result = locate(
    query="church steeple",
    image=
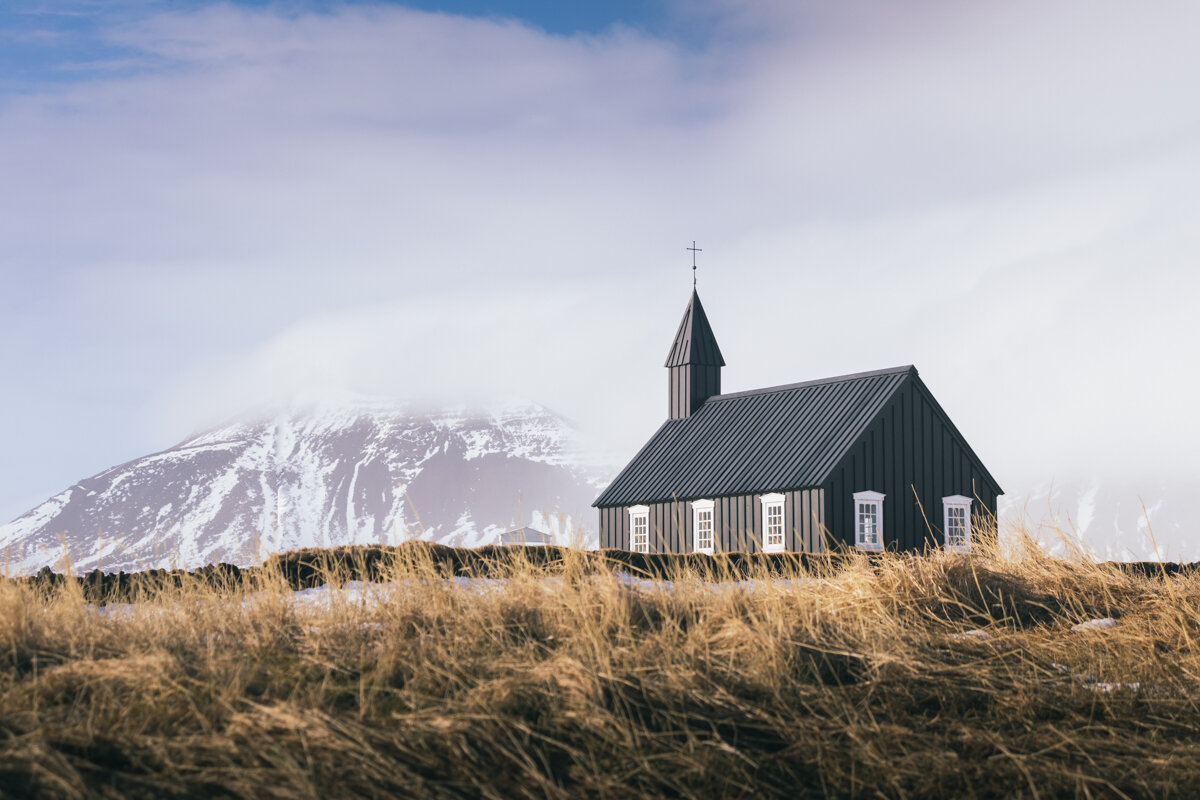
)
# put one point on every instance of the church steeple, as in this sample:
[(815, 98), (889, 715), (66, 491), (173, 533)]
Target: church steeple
[(694, 362)]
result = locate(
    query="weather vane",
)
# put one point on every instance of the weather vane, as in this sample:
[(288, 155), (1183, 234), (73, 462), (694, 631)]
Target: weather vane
[(694, 250)]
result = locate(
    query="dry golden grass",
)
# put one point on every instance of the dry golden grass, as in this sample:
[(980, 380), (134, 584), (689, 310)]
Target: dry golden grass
[(570, 683)]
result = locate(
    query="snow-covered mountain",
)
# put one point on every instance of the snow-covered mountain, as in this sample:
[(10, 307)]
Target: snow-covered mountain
[(1126, 519), (350, 473)]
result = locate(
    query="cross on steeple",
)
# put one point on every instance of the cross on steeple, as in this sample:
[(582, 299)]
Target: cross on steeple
[(694, 250)]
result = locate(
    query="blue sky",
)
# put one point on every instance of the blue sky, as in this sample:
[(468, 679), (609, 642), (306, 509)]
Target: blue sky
[(62, 41), (206, 208)]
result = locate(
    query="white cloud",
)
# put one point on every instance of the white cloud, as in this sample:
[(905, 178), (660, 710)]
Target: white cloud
[(386, 200)]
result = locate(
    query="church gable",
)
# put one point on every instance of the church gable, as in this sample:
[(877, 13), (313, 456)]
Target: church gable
[(914, 455)]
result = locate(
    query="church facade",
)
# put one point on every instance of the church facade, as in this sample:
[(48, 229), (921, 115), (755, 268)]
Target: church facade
[(868, 461)]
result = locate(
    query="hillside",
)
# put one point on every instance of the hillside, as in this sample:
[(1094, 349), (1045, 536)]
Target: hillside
[(988, 676), (362, 472)]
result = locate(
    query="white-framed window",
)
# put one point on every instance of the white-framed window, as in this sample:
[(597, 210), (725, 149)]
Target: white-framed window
[(639, 529), (702, 526), (772, 514), (868, 520), (957, 525)]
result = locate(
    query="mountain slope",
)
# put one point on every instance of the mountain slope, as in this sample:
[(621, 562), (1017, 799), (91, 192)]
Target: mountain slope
[(1126, 519), (352, 473)]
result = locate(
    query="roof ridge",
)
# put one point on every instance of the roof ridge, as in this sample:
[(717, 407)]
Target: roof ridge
[(802, 384)]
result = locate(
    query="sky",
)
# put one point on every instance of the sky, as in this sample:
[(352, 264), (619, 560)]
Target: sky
[(212, 207)]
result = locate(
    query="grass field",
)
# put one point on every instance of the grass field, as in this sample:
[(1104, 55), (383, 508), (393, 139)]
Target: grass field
[(939, 676)]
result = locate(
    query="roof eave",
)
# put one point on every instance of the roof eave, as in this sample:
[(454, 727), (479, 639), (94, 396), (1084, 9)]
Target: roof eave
[(721, 496)]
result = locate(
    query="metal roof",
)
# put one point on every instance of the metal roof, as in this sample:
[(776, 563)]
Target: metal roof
[(694, 341), (774, 439)]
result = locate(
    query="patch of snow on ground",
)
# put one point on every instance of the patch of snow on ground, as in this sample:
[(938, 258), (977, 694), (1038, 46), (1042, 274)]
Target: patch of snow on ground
[(642, 584), (976, 635), (1112, 687), (365, 593), (357, 592), (647, 585), (1095, 624)]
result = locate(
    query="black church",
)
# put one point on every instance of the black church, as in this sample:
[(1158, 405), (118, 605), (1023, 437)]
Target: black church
[(868, 460)]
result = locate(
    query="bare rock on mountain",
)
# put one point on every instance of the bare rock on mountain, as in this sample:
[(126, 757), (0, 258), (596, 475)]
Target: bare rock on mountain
[(366, 472)]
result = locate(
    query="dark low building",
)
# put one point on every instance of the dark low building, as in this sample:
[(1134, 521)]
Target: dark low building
[(868, 460)]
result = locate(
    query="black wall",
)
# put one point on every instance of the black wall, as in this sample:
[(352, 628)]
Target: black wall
[(689, 386), (912, 454), (737, 523)]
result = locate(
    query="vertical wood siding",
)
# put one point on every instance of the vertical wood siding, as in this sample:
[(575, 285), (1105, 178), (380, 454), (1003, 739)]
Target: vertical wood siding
[(911, 455), (737, 524), (688, 386)]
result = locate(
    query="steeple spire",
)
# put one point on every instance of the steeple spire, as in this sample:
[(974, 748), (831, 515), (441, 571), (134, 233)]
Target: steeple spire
[(694, 362), (694, 341)]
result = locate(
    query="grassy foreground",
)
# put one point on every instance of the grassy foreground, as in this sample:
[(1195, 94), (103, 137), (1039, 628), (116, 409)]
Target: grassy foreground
[(564, 681)]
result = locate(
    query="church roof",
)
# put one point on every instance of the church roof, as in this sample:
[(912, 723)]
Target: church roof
[(694, 342), (774, 439)]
